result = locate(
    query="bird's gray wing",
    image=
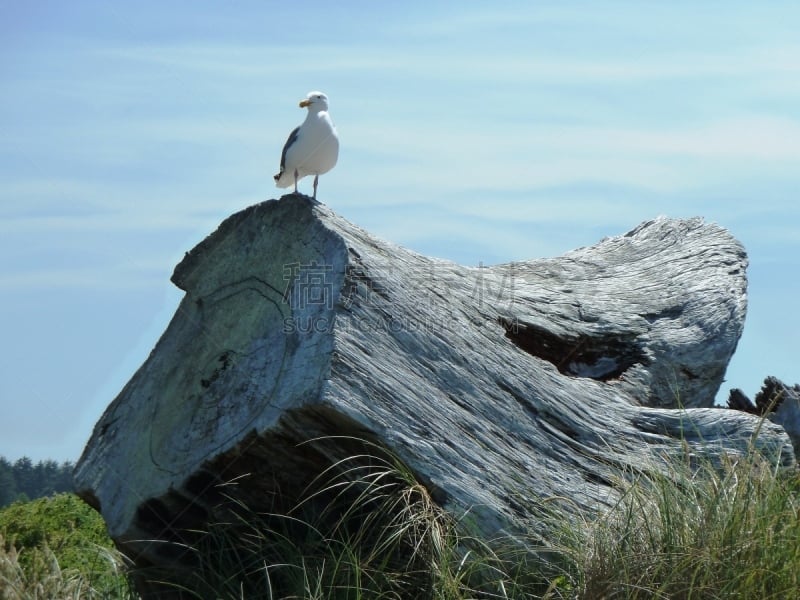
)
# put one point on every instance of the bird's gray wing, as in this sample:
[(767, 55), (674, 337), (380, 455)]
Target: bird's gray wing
[(289, 142)]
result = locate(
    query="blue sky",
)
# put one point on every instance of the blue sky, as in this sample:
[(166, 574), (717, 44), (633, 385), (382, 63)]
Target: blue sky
[(476, 132)]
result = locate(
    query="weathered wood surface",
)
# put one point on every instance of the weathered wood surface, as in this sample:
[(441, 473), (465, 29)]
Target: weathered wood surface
[(494, 385)]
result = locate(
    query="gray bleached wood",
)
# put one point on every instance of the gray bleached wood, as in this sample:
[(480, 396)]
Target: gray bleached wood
[(494, 385)]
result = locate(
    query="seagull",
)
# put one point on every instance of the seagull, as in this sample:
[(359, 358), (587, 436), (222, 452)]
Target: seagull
[(312, 148)]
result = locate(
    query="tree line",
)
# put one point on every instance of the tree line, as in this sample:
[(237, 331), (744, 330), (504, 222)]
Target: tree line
[(26, 480)]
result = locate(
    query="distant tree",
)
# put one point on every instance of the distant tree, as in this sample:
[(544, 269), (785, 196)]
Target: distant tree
[(24, 480), (64, 481), (45, 477), (25, 476), (8, 484)]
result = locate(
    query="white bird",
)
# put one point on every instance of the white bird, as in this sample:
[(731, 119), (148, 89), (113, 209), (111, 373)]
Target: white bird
[(312, 148)]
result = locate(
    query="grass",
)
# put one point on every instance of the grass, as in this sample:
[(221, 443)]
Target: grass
[(36, 574), (707, 532), (365, 528), (57, 547)]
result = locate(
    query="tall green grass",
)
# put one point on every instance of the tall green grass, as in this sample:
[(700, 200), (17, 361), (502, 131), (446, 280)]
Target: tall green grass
[(37, 574), (365, 528), (707, 531)]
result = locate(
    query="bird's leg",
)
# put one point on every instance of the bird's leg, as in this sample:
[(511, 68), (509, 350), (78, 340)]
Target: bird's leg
[(316, 179), (295, 181)]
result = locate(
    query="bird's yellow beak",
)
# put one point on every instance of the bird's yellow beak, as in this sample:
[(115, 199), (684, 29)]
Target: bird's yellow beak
[(304, 103)]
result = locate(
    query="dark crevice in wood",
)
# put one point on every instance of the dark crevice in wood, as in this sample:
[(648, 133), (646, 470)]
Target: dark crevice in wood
[(603, 357)]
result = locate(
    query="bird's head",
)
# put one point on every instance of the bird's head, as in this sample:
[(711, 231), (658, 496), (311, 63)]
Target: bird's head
[(316, 101)]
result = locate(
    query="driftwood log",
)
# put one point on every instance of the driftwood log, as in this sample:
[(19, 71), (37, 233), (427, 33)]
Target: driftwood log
[(777, 401), (494, 385)]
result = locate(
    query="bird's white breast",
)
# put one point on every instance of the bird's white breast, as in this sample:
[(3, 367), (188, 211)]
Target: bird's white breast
[(316, 149)]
